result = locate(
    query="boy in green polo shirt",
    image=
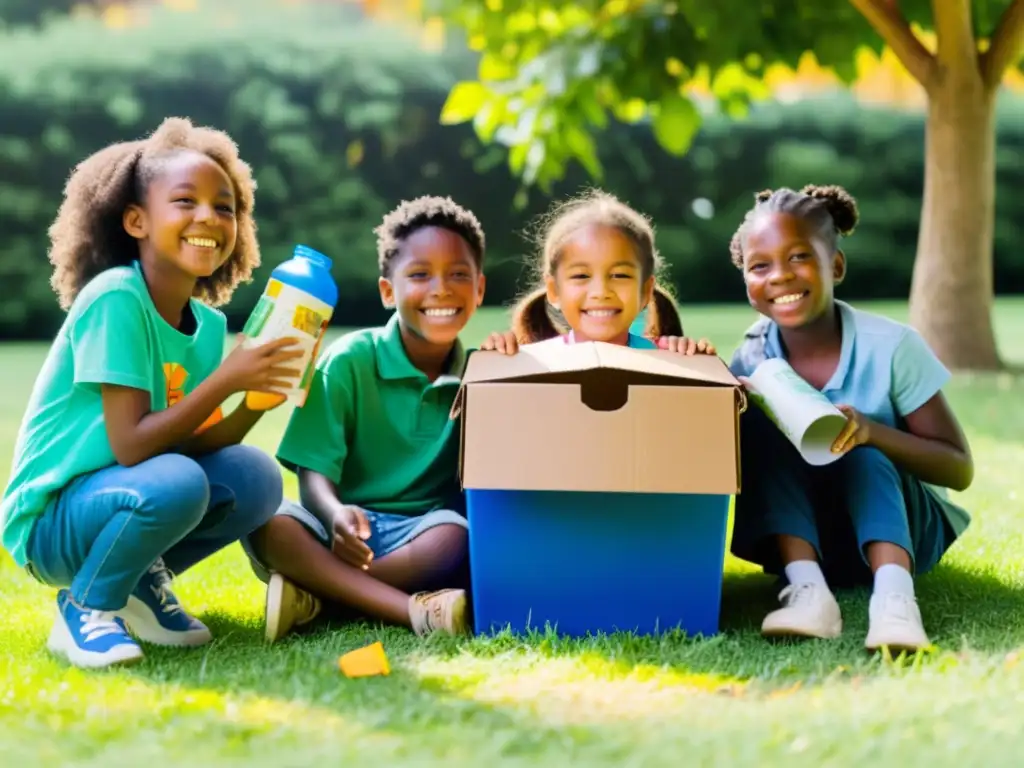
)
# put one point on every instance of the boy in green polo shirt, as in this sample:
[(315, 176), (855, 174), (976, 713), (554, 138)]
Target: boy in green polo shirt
[(379, 524)]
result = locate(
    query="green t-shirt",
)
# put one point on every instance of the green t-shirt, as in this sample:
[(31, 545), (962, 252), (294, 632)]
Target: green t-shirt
[(112, 335), (376, 426)]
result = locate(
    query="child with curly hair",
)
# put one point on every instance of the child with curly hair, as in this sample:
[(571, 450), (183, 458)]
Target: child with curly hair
[(880, 513), (598, 282), (380, 527), (124, 469)]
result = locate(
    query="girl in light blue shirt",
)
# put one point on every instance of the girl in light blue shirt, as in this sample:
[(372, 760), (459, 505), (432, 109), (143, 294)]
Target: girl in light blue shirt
[(879, 514)]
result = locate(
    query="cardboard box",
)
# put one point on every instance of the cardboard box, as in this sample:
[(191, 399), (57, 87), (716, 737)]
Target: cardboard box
[(598, 481)]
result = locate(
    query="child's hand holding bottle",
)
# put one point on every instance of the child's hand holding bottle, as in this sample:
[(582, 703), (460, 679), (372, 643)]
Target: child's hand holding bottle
[(260, 369)]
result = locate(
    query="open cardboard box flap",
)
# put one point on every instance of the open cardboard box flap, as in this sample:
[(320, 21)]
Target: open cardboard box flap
[(555, 363), (599, 417)]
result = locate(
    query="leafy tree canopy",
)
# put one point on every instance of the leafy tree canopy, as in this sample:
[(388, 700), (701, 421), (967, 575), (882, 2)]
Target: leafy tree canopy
[(551, 74)]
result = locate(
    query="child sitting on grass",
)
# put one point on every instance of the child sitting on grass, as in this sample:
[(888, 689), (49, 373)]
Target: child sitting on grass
[(598, 267), (124, 470), (877, 515), (380, 521)]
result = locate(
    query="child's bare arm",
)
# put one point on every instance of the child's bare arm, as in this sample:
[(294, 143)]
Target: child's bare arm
[(935, 449), (231, 430), (138, 433), (348, 524)]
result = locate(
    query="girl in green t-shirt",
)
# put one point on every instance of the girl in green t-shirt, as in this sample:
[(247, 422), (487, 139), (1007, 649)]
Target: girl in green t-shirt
[(124, 469)]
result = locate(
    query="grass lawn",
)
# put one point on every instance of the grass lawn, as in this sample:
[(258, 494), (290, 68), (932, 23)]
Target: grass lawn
[(618, 700)]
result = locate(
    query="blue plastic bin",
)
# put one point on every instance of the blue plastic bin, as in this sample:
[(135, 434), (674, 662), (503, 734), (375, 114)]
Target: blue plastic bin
[(596, 562), (598, 480)]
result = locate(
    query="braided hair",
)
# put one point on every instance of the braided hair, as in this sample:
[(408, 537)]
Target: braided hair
[(831, 210)]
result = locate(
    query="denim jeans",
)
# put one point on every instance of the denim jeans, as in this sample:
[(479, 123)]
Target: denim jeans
[(105, 529), (388, 531), (838, 508)]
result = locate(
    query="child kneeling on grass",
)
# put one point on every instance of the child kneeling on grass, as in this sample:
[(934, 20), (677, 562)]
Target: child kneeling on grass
[(880, 513), (124, 470), (380, 521)]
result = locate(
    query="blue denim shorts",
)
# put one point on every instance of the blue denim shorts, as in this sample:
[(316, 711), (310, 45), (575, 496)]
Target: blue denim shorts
[(388, 531)]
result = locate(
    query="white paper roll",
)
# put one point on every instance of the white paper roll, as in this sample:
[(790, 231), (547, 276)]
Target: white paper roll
[(805, 416)]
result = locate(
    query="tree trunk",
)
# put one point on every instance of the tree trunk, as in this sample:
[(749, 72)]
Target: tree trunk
[(952, 289)]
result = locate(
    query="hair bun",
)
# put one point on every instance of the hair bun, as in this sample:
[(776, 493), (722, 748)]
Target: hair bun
[(764, 195), (840, 203)]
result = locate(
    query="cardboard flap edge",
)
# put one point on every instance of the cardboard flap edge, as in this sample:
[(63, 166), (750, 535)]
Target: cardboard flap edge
[(707, 369), (539, 360)]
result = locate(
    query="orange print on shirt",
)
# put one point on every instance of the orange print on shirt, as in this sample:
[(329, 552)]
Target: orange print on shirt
[(175, 376)]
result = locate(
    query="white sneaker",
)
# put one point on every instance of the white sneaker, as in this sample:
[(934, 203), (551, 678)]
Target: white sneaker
[(90, 638), (287, 607), (808, 610), (894, 620)]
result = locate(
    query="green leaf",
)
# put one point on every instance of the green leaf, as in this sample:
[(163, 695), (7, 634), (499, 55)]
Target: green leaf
[(675, 123), (463, 103), (517, 157), (583, 147), (521, 199), (493, 68), (535, 154), (631, 110), (587, 101), (491, 116)]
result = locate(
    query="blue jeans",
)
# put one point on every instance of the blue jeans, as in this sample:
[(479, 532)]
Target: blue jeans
[(838, 509), (106, 528)]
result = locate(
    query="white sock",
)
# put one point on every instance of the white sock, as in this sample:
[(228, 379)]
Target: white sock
[(893, 579), (805, 572)]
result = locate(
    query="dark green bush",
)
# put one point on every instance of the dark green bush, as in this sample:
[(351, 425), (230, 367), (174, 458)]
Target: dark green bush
[(338, 116)]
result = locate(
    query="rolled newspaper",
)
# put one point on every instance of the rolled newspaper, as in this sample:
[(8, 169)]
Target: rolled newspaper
[(803, 414)]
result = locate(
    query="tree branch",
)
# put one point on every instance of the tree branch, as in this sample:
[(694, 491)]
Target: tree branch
[(887, 21), (956, 44), (1006, 46)]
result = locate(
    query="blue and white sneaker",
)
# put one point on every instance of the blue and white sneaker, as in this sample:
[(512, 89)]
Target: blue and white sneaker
[(154, 615), (89, 638)]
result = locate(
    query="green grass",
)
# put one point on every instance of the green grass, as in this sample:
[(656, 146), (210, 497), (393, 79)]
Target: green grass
[(619, 700)]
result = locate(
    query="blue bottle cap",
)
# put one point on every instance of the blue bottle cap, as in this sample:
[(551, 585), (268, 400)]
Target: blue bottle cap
[(305, 252)]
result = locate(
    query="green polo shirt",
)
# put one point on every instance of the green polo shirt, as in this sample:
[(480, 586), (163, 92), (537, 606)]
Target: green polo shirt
[(376, 426)]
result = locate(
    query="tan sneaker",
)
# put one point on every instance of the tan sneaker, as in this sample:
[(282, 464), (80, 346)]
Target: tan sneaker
[(287, 607), (808, 610), (894, 620), (441, 611)]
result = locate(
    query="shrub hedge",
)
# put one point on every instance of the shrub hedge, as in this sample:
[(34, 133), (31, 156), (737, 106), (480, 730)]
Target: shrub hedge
[(338, 116)]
